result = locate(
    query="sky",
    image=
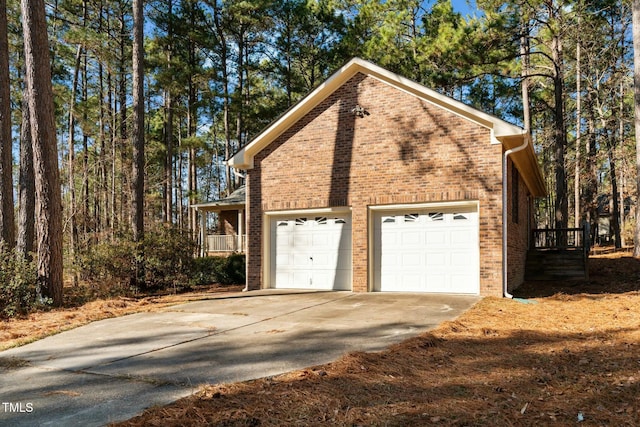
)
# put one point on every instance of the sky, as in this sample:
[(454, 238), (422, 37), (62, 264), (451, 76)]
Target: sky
[(465, 7)]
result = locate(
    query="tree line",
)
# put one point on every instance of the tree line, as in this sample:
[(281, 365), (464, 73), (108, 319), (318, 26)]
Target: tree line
[(146, 100)]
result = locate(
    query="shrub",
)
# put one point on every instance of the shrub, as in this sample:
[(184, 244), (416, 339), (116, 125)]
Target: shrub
[(18, 290), (168, 257), (219, 269), (168, 260), (108, 263)]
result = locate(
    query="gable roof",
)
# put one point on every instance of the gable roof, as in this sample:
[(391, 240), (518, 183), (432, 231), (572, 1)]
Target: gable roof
[(507, 134)]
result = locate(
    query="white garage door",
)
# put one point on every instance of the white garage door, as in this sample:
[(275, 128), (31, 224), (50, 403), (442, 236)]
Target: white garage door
[(428, 250), (311, 252)]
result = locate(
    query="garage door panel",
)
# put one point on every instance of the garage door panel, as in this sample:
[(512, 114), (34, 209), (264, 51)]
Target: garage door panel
[(284, 260), (311, 252), (436, 260), (343, 260), (300, 260), (410, 238), (302, 240), (427, 250), (461, 237), (435, 237), (462, 259), (412, 259)]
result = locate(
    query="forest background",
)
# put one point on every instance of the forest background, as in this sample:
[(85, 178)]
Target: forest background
[(139, 140)]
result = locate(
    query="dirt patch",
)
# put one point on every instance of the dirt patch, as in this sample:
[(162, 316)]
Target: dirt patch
[(568, 354)]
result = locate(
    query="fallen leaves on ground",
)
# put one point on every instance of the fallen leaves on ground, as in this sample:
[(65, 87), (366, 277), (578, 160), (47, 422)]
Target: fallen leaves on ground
[(563, 354)]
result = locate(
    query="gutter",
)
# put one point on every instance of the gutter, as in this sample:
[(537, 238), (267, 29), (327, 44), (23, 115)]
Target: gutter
[(507, 153)]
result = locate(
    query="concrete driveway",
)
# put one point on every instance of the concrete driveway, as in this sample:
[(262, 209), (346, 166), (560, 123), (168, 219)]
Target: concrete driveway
[(113, 369)]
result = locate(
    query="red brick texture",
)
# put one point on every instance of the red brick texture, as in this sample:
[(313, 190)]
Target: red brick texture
[(405, 151), (518, 232)]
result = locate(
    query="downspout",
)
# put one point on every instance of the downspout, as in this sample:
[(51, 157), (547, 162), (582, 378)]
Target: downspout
[(505, 217)]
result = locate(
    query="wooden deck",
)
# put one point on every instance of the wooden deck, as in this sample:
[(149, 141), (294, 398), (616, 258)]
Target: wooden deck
[(558, 254)]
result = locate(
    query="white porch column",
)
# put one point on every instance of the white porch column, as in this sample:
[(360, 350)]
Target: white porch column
[(240, 229), (203, 233)]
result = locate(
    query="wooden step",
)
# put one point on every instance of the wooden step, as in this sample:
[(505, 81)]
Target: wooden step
[(556, 265)]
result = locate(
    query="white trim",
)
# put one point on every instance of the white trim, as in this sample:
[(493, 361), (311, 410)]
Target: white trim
[(426, 205), (341, 209)]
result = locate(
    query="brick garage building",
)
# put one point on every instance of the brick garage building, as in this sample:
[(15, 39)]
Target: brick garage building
[(376, 183)]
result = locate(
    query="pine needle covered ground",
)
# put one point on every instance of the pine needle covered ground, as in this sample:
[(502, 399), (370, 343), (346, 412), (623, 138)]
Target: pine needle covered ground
[(570, 355)]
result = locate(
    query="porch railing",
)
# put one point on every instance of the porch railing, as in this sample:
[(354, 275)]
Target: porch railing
[(225, 243), (561, 238)]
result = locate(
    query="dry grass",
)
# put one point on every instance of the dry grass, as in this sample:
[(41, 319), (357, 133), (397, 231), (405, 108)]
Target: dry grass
[(571, 357), (16, 332)]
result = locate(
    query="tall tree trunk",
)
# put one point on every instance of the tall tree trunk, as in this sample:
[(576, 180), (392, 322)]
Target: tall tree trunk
[(39, 93), (122, 101), (168, 125), (621, 121), (104, 177), (168, 161), (192, 176), (240, 91), (86, 211), (179, 180), (7, 220), (636, 99), (560, 137), (73, 224), (615, 214), (524, 53), (577, 170), (137, 175), (590, 193), (26, 188), (228, 149), (113, 147)]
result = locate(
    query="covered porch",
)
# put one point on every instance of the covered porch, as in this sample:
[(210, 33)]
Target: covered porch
[(222, 225)]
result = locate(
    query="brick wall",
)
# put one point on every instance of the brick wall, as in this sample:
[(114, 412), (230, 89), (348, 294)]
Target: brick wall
[(406, 151), (517, 232)]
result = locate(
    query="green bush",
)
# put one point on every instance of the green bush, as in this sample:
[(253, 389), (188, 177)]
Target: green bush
[(168, 260), (224, 270), (18, 290), (168, 257), (109, 263)]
